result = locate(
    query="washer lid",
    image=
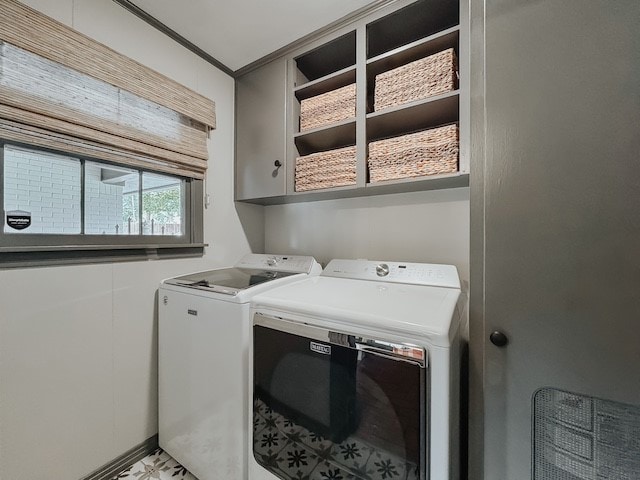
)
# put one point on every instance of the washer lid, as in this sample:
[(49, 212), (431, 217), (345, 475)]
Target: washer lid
[(251, 270), (417, 311), (229, 281)]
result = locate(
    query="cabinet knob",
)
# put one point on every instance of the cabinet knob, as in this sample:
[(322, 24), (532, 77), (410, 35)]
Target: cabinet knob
[(499, 339), (277, 163)]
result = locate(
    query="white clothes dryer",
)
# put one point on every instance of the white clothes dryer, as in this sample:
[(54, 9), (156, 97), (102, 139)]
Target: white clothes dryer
[(204, 329), (355, 374)]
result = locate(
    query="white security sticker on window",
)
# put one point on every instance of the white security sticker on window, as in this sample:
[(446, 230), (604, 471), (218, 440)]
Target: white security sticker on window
[(18, 219)]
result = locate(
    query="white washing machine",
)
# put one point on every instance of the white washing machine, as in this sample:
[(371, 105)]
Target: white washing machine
[(355, 374), (204, 330)]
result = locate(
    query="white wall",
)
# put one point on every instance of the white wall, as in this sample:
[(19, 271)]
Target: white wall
[(78, 376), (413, 227)]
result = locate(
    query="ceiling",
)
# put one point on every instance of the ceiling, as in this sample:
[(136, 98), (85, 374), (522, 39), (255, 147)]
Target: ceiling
[(239, 32)]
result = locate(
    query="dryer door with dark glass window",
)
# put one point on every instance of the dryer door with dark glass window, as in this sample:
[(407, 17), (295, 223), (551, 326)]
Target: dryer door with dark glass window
[(332, 405)]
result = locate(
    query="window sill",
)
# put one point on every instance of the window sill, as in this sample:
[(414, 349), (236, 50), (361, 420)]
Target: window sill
[(58, 255)]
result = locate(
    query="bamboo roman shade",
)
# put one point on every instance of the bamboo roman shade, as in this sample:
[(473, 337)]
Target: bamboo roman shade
[(62, 90)]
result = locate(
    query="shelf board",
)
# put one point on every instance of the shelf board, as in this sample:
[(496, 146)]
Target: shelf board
[(327, 83), (424, 47), (418, 20), (434, 182), (339, 134), (409, 117), (339, 192)]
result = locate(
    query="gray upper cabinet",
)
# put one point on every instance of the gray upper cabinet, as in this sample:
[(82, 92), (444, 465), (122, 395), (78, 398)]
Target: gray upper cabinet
[(270, 103), (260, 132)]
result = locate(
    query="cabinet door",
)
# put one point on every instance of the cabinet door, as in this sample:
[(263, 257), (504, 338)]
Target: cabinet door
[(260, 132), (557, 249)]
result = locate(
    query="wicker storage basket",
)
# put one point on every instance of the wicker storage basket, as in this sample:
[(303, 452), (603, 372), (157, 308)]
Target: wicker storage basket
[(327, 108), (428, 152), (416, 80), (333, 168)]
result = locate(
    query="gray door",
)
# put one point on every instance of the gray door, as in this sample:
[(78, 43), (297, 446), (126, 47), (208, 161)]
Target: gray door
[(556, 240)]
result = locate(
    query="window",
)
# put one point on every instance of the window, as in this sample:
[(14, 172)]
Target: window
[(101, 158), (52, 201), (162, 205), (42, 192), (110, 200)]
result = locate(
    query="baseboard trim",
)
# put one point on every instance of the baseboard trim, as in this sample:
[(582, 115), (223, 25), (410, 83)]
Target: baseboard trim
[(117, 465)]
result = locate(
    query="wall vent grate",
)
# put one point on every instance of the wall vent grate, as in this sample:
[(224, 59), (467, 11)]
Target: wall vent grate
[(578, 437)]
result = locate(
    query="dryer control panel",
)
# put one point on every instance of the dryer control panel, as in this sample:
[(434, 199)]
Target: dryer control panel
[(395, 272)]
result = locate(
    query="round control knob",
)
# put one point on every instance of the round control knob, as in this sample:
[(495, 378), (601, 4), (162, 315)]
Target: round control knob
[(272, 262), (499, 339), (277, 163), (382, 270)]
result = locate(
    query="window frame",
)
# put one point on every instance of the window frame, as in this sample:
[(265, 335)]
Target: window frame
[(40, 249)]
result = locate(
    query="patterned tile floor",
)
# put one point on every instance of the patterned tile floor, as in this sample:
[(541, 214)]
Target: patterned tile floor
[(156, 466), (295, 453)]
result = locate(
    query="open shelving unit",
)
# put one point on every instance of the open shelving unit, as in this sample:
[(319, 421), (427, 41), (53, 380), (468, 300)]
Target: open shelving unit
[(321, 70), (315, 75), (409, 34), (396, 34), (376, 45)]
